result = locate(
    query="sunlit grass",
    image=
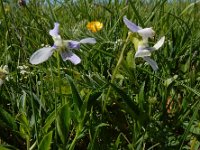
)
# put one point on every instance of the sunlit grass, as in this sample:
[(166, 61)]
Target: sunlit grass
[(110, 100)]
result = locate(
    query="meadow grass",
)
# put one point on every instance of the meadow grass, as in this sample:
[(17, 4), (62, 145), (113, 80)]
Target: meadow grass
[(110, 100)]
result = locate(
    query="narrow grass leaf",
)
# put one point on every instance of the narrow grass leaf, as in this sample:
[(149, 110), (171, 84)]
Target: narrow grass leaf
[(130, 104), (49, 120), (91, 145), (63, 122), (75, 94), (4, 148), (189, 6), (141, 97), (45, 144), (24, 125), (7, 118)]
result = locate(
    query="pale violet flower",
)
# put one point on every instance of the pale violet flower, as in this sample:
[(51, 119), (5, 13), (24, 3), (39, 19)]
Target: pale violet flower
[(64, 47), (144, 51), (144, 33)]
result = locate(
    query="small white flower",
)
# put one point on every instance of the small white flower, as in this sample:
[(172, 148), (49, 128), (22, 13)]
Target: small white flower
[(62, 46), (118, 41), (23, 72), (20, 67), (25, 67)]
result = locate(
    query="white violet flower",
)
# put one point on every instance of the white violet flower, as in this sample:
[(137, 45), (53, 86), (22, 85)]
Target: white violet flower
[(144, 51), (142, 46)]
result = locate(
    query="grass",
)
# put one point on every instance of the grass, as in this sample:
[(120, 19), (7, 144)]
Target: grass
[(111, 100)]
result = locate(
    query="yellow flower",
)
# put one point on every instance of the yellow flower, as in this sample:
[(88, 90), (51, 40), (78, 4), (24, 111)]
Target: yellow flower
[(94, 26)]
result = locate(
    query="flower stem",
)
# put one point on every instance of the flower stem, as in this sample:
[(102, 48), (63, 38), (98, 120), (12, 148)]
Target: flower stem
[(34, 117), (120, 60), (28, 143), (78, 131), (56, 100), (116, 69), (6, 22)]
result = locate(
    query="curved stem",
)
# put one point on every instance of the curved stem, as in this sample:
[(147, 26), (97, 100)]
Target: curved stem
[(79, 129), (56, 100), (34, 116), (73, 142), (116, 69)]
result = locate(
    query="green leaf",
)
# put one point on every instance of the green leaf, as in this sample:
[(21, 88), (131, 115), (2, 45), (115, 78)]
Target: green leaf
[(24, 125), (168, 81), (137, 14), (40, 102), (130, 59), (118, 141), (189, 6), (23, 119), (84, 106), (131, 105), (63, 122), (7, 118), (186, 66), (22, 102), (75, 94), (4, 148), (91, 144), (141, 96), (49, 121), (194, 144), (45, 144)]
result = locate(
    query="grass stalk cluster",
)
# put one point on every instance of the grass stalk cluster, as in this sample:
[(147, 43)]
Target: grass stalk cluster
[(110, 100)]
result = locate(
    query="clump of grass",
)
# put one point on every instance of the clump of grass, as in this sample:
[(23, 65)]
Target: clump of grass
[(57, 105)]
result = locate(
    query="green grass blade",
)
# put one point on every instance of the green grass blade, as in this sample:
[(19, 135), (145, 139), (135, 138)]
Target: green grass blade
[(45, 144), (75, 94)]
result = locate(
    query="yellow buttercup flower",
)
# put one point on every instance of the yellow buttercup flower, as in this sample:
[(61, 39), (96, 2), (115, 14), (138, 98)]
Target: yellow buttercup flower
[(94, 26)]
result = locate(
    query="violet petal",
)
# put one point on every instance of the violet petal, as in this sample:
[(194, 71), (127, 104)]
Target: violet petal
[(151, 62), (131, 25), (69, 55), (88, 40), (41, 55), (73, 44), (55, 31)]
